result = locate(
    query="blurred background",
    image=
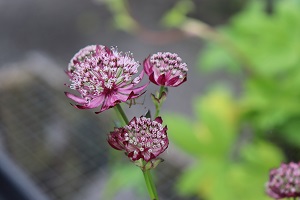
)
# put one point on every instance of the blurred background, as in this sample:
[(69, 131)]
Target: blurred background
[(235, 118)]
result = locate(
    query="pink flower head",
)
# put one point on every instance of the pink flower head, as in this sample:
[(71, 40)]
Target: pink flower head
[(284, 182), (103, 77), (165, 69), (141, 138)]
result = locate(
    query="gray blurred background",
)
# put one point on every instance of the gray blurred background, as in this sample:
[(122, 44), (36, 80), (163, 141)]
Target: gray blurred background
[(48, 149)]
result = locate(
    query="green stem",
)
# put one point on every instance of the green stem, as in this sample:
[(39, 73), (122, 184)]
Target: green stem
[(120, 110), (161, 89), (150, 185), (147, 175)]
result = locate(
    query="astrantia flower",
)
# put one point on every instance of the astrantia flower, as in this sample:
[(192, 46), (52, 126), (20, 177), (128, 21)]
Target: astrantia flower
[(166, 69), (104, 77), (284, 182), (141, 138)]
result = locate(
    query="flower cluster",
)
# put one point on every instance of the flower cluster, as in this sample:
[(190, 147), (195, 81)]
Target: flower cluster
[(142, 138), (284, 181), (103, 77), (166, 69)]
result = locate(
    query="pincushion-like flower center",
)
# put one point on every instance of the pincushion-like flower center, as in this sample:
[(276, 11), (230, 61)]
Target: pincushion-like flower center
[(285, 181), (95, 70), (167, 61), (145, 135)]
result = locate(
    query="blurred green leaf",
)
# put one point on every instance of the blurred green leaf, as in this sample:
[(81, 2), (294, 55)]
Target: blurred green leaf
[(266, 48), (201, 178), (291, 132), (121, 17), (262, 155), (218, 114), (181, 132), (176, 15), (269, 43), (124, 176), (215, 58), (213, 134)]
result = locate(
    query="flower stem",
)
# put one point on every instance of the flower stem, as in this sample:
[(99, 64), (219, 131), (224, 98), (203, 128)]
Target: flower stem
[(150, 185), (147, 175), (122, 113), (161, 89)]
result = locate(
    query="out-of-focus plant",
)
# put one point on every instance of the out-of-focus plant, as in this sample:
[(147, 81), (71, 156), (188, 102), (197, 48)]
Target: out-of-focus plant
[(270, 45), (263, 49), (228, 165)]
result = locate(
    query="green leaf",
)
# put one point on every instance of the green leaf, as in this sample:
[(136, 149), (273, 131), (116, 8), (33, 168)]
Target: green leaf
[(181, 132), (124, 176), (121, 17), (201, 178), (215, 57), (176, 15), (262, 155), (290, 132), (218, 114)]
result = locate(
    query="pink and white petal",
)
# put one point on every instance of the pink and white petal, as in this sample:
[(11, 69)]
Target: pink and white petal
[(75, 98), (147, 66), (104, 107), (94, 103), (114, 99), (122, 97), (113, 141), (140, 89), (141, 76), (172, 81), (128, 90), (180, 82), (152, 79), (82, 107)]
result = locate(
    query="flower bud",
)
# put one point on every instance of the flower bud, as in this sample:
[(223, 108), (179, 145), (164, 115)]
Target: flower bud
[(166, 69)]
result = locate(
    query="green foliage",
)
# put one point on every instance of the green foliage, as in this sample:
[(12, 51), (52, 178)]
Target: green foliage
[(215, 58), (267, 48), (230, 138), (205, 138), (177, 15), (123, 176), (121, 17), (270, 42), (227, 167)]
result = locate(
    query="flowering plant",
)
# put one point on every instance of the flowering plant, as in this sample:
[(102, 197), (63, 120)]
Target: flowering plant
[(284, 181), (105, 78)]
